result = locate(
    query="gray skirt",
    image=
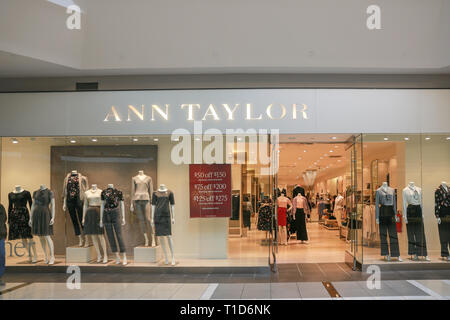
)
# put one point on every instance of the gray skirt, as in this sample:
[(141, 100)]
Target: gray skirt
[(41, 222), (163, 225), (92, 221)]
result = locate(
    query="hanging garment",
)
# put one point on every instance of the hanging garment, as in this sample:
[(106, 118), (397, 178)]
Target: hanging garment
[(19, 216), (235, 204), (300, 224), (298, 189)]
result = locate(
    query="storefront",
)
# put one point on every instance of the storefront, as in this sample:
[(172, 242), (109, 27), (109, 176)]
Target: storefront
[(242, 147)]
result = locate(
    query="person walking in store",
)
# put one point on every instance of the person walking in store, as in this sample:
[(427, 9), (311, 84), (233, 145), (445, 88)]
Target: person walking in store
[(2, 242)]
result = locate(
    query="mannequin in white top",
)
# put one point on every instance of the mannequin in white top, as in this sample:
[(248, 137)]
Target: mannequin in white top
[(122, 211), (142, 197), (28, 244), (96, 238), (163, 188), (46, 240), (412, 195)]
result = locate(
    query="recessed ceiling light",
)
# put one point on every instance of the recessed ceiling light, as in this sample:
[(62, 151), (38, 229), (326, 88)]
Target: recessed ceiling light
[(427, 138), (331, 151), (73, 141), (336, 147), (135, 139), (299, 158), (339, 160), (15, 141), (334, 138), (386, 139), (406, 138), (448, 138), (94, 140), (156, 139), (304, 150), (176, 139), (239, 139)]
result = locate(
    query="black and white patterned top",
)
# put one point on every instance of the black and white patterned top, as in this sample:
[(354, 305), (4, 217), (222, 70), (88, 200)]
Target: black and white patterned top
[(441, 200), (73, 187), (112, 197)]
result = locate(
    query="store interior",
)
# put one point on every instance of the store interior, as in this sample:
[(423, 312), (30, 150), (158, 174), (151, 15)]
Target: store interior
[(323, 165)]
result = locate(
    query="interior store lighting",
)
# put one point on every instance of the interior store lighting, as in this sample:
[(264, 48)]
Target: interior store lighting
[(15, 141)]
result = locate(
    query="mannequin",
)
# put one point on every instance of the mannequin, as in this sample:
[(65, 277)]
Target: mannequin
[(141, 191), (300, 208), (111, 208), (91, 209), (413, 216), (283, 202), (442, 213), (385, 212), (163, 214), (339, 208), (298, 189), (18, 220), (42, 220), (75, 186)]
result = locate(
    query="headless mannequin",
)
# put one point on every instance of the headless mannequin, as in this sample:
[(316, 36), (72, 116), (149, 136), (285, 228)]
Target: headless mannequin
[(385, 187), (96, 238), (142, 175), (282, 229), (80, 237), (412, 186), (29, 244), (445, 186), (46, 240), (163, 188), (122, 210)]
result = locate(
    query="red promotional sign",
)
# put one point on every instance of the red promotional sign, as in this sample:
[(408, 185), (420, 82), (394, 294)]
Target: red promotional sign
[(210, 190)]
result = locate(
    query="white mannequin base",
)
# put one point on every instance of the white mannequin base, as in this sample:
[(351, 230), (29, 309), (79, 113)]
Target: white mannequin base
[(80, 254), (147, 254)]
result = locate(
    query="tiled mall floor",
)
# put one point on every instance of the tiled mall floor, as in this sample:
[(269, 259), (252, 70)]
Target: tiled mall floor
[(390, 289)]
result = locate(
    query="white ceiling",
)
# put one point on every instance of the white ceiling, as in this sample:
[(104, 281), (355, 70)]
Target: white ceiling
[(203, 37)]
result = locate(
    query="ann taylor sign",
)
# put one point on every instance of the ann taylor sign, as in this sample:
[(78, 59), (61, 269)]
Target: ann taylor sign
[(162, 111), (198, 112)]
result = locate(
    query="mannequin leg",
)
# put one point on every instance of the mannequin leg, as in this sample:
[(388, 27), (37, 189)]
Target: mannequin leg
[(171, 249), (146, 240), (163, 245), (117, 258), (125, 261), (103, 244), (94, 238), (51, 249), (44, 248), (26, 246), (32, 250)]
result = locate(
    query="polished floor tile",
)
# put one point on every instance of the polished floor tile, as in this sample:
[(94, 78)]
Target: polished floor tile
[(229, 291), (312, 290), (256, 291), (287, 290), (190, 291)]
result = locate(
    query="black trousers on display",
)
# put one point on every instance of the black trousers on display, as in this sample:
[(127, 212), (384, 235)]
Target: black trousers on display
[(415, 230), (388, 228), (111, 220), (75, 208), (444, 230), (300, 224), (246, 214)]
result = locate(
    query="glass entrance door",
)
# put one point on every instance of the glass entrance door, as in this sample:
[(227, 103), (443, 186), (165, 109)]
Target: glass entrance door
[(273, 171), (354, 203)]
